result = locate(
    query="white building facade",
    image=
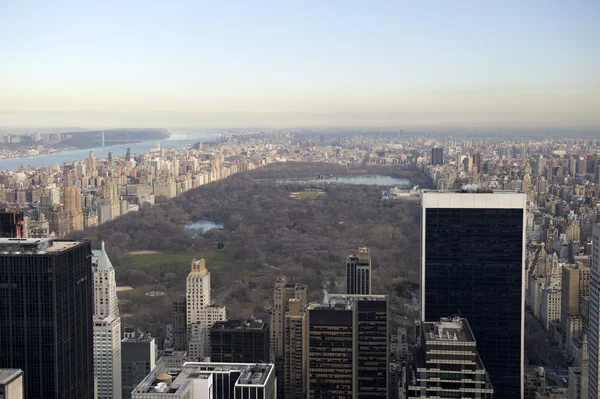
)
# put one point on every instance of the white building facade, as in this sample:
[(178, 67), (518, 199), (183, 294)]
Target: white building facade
[(201, 315), (107, 328)]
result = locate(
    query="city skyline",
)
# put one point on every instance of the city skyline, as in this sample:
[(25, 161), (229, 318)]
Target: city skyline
[(312, 64)]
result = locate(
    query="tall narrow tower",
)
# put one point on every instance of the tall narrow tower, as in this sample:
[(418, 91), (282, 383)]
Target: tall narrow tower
[(472, 265), (358, 273), (594, 318), (107, 327), (201, 314), (283, 292)]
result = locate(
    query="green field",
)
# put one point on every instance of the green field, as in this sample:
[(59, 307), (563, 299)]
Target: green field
[(146, 260), (311, 194)]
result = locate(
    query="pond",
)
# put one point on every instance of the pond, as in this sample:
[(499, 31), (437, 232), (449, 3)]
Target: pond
[(371, 180), (204, 225)]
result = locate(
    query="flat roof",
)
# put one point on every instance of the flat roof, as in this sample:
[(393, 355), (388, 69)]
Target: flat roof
[(470, 200), (239, 325), (35, 246), (250, 374), (9, 375), (448, 330)]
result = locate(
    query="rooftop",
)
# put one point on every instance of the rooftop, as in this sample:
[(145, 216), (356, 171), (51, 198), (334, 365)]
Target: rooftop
[(448, 329), (35, 246), (9, 375), (240, 325), (248, 375)]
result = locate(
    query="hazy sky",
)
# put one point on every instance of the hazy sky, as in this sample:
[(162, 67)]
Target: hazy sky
[(396, 63)]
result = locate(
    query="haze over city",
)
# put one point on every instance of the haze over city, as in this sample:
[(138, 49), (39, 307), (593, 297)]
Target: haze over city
[(339, 63)]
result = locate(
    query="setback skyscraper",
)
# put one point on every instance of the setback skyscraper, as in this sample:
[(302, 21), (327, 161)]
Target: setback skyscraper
[(472, 264), (107, 327), (46, 309), (282, 293), (447, 364), (201, 314)]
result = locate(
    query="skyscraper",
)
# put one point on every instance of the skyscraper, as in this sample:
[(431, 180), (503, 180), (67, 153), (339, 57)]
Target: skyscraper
[(73, 207), (437, 156), (46, 309), (239, 341), (594, 323), (138, 358), (180, 323), (472, 264), (477, 162), (296, 350), (282, 293), (107, 327), (11, 224), (358, 273), (447, 364), (201, 314), (348, 347)]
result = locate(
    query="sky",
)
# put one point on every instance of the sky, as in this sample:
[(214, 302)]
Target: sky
[(294, 63)]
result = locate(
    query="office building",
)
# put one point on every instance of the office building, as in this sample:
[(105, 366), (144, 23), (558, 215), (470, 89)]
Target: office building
[(437, 156), (282, 293), (180, 324), (472, 264), (575, 286), (46, 303), (73, 207), (201, 314), (550, 307), (11, 384), (107, 327), (138, 358), (594, 324), (239, 341), (447, 364), (477, 162), (196, 380), (11, 224), (296, 350), (358, 273), (348, 347)]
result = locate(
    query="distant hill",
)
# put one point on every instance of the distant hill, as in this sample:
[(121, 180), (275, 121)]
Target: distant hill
[(89, 139)]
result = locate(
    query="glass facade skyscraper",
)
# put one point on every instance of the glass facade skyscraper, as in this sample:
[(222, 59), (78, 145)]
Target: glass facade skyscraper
[(348, 347), (46, 308), (472, 265)]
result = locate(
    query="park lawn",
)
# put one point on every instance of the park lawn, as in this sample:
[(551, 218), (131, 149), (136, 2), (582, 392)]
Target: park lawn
[(162, 258), (310, 194)]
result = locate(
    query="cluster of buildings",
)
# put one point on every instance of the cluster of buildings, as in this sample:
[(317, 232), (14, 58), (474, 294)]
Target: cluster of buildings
[(511, 230)]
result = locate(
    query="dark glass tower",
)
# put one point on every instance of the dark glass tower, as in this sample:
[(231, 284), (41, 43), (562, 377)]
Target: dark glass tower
[(472, 263), (437, 156), (330, 353), (46, 309), (358, 273), (239, 341), (348, 347), (372, 347)]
